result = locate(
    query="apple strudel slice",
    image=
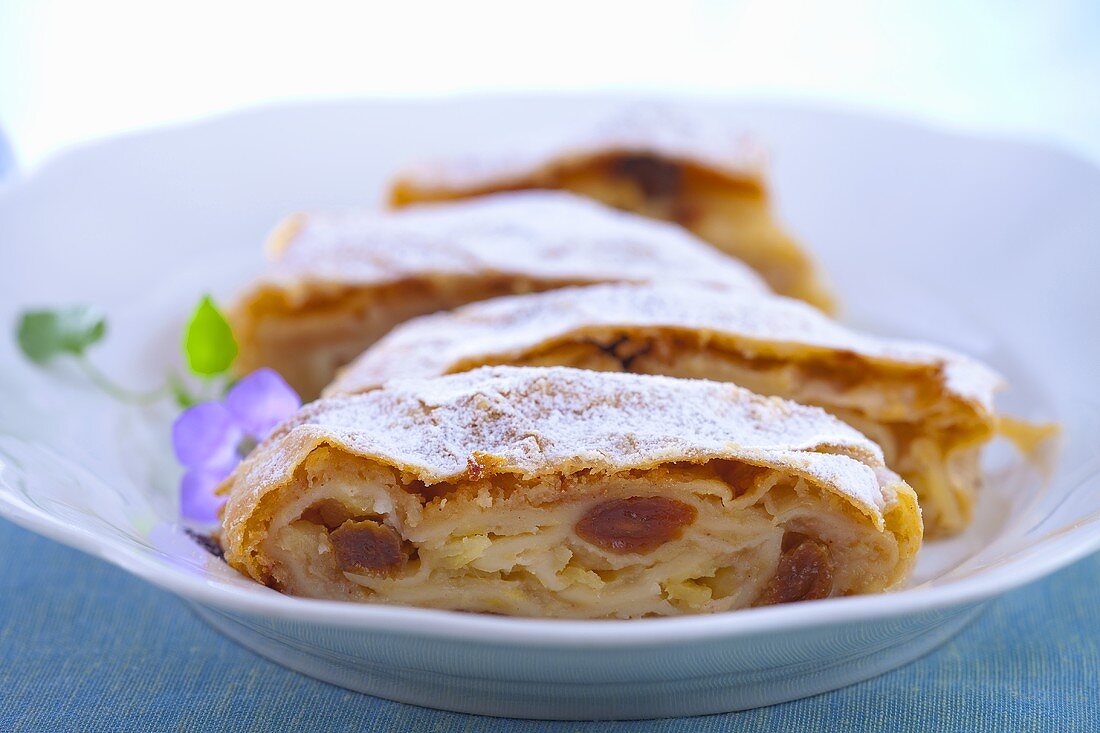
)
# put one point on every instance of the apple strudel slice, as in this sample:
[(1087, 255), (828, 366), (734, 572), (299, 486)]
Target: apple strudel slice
[(337, 282), (667, 164), (930, 409), (568, 493)]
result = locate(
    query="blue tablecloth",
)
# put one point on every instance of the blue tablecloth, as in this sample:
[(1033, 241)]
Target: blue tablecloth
[(86, 647)]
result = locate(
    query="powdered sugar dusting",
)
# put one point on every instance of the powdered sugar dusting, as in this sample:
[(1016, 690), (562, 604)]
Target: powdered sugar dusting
[(511, 326), (542, 421), (670, 132), (546, 235)]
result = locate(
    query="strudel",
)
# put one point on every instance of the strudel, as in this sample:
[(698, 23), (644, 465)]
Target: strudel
[(568, 493), (930, 409), (664, 163), (339, 281)]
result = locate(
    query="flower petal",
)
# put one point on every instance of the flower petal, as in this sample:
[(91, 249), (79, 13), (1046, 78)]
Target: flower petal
[(261, 401), (198, 502), (206, 435)]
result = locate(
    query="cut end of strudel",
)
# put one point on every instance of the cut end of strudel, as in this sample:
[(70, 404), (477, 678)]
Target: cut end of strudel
[(930, 409), (692, 169), (568, 493), (339, 281)]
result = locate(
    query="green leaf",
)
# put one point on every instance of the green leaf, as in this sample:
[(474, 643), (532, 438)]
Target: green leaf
[(46, 334), (180, 393), (208, 342)]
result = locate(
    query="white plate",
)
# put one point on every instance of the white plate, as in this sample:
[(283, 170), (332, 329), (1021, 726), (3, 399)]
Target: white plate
[(987, 245)]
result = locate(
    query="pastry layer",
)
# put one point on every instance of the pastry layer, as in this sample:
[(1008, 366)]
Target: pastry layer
[(568, 493), (338, 282), (691, 170), (930, 409)]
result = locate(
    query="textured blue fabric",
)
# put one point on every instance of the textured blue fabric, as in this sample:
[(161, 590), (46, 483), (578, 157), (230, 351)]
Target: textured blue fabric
[(86, 647)]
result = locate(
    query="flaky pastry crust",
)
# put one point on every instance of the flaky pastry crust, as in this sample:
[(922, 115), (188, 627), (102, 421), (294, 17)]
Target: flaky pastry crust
[(672, 165), (339, 281), (572, 493), (930, 409)]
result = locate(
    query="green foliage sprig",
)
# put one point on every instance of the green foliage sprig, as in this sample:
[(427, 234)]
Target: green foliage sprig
[(209, 350)]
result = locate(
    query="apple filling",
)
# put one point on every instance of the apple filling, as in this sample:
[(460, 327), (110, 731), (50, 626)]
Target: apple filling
[(307, 335), (678, 538)]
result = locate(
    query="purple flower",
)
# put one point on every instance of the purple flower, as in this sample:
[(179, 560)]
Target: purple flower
[(261, 401), (210, 438)]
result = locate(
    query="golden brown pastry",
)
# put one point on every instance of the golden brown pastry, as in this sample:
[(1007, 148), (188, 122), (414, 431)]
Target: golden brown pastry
[(930, 409), (568, 493), (339, 281), (688, 169)]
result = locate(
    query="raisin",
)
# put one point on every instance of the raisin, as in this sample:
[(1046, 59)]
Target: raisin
[(656, 178), (803, 574), (638, 524), (328, 512), (368, 548), (739, 476)]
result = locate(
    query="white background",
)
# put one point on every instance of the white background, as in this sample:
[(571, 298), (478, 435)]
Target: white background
[(70, 71)]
